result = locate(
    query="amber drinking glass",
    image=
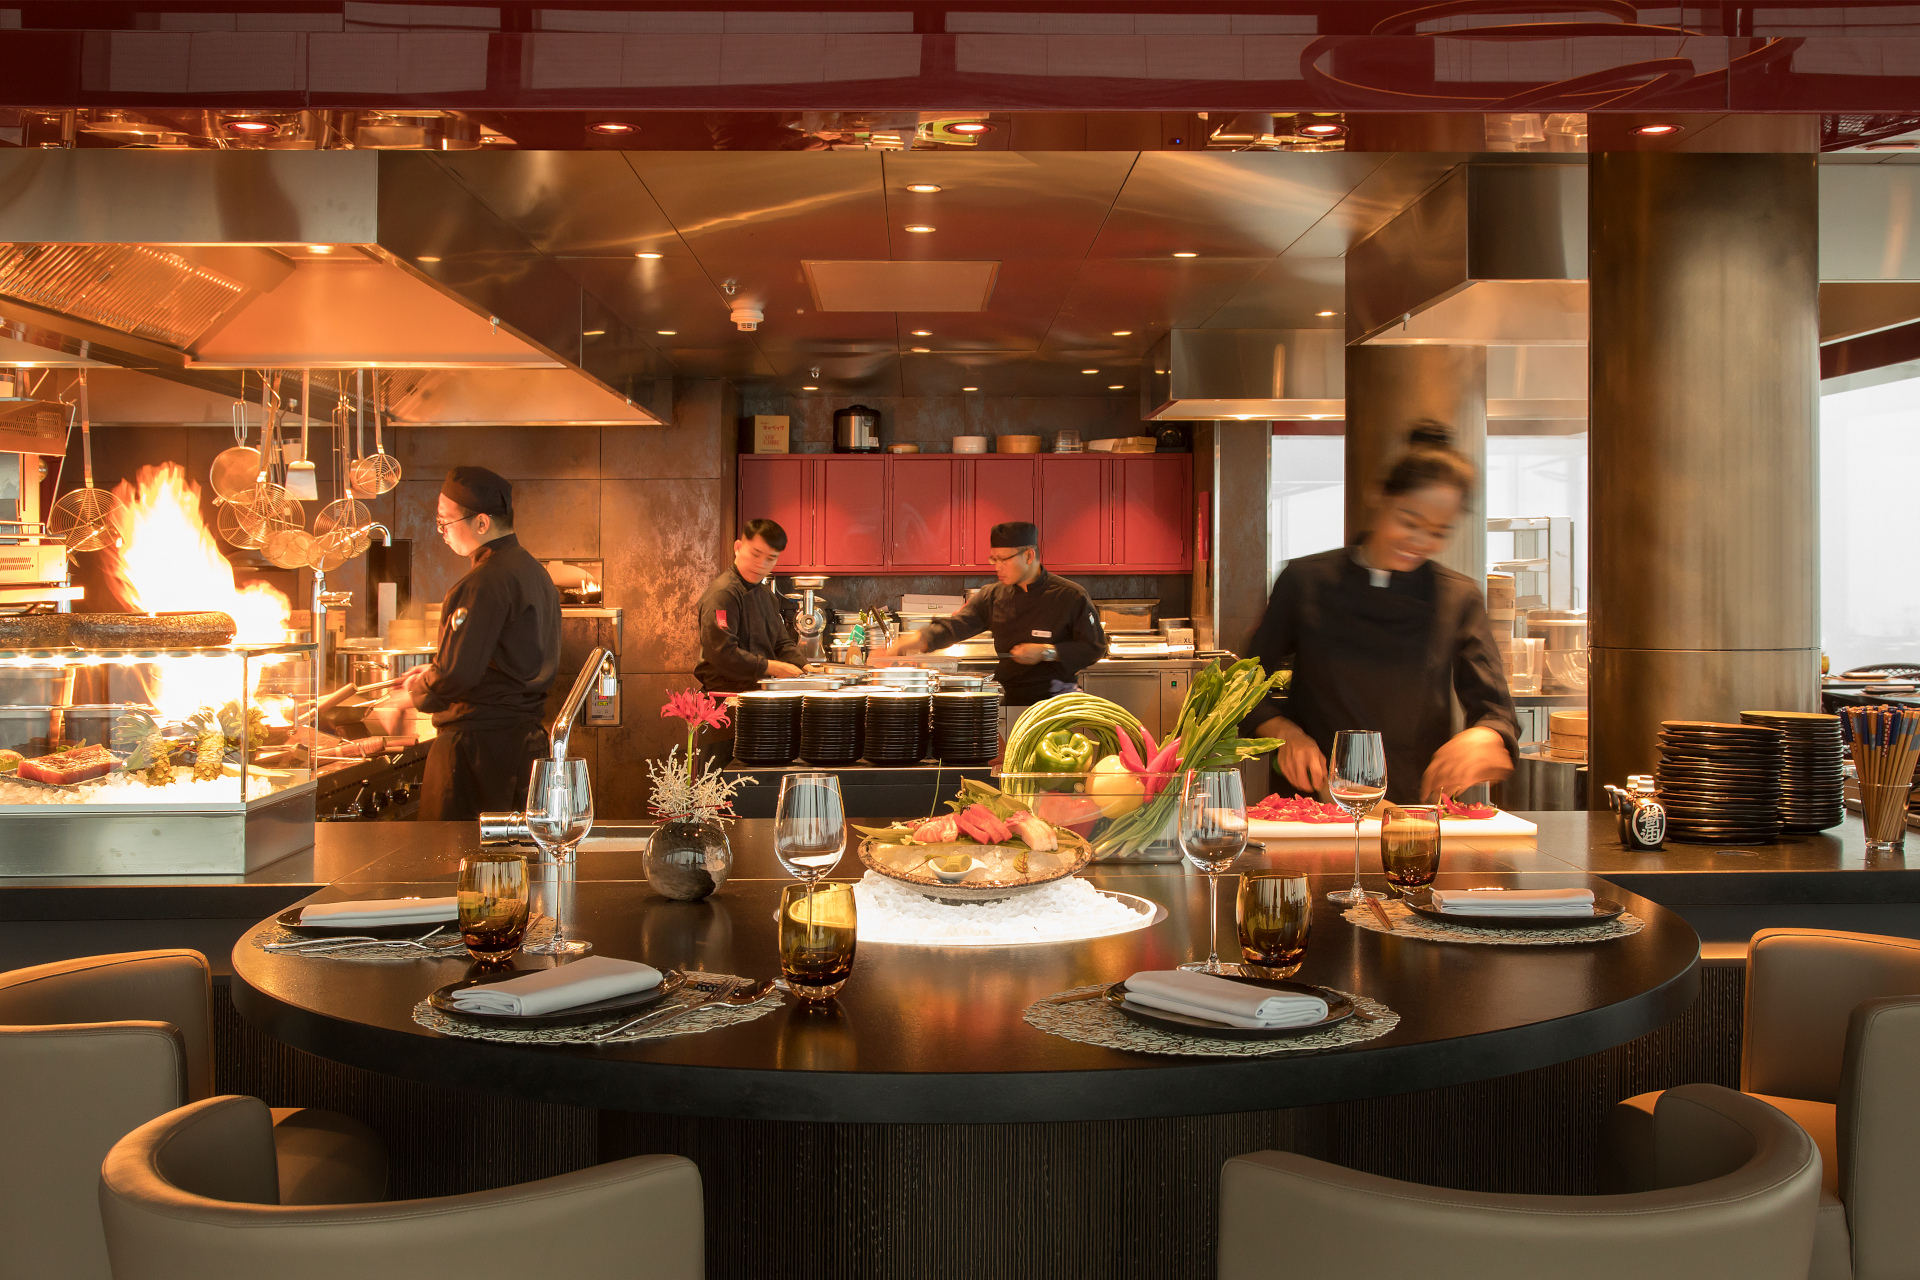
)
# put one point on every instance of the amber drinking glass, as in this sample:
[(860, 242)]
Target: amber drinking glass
[(493, 905), (1410, 846), (816, 938), (1275, 912)]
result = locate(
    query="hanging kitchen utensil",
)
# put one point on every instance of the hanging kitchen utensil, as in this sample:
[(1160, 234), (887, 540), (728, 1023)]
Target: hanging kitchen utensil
[(331, 550), (85, 518), (236, 468), (342, 513), (379, 471), (266, 508), (303, 481), (291, 548), (226, 522)]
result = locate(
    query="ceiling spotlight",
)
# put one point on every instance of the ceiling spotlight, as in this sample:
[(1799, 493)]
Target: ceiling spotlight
[(1089, 371), (1657, 130), (1123, 333), (971, 126), (252, 127), (321, 249), (649, 255), (920, 229), (1186, 255), (612, 128), (923, 333), (1117, 387), (969, 388), (666, 333), (1323, 130), (426, 257), (1324, 314), (921, 351), (923, 188), (809, 388), (593, 333)]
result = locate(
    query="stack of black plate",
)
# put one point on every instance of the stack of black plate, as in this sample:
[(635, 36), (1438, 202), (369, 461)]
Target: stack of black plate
[(1720, 783), (966, 726), (1812, 784), (896, 727), (766, 727), (830, 726)]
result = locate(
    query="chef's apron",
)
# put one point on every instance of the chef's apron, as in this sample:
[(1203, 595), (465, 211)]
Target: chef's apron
[(471, 771)]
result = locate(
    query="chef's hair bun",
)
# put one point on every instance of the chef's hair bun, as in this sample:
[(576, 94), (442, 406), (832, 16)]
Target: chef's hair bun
[(1431, 462)]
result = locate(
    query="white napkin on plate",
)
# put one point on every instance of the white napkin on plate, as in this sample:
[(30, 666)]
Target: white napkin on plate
[(1234, 1004), (1514, 902), (358, 915), (551, 990)]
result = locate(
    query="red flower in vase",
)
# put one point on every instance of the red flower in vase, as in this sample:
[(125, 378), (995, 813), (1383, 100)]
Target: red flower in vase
[(697, 709)]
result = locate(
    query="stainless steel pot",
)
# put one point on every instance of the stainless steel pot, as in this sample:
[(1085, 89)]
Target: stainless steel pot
[(856, 429)]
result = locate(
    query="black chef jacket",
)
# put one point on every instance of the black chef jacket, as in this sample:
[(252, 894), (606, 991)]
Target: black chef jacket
[(741, 627), (499, 643), (1383, 658), (1048, 610)]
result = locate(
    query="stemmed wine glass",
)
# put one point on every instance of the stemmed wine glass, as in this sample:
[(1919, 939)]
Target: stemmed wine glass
[(559, 815), (1357, 778), (1213, 832), (810, 826)]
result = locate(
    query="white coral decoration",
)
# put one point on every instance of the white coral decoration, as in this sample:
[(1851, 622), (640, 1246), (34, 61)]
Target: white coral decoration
[(677, 794)]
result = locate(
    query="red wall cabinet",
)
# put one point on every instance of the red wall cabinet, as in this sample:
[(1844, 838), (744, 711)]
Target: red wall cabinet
[(776, 488), (1076, 512), (923, 513), (852, 513), (1001, 489), (1153, 532)]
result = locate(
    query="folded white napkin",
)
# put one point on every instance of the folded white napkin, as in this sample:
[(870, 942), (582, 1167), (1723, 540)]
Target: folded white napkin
[(357, 915), (1514, 902), (1234, 1004), (551, 990)]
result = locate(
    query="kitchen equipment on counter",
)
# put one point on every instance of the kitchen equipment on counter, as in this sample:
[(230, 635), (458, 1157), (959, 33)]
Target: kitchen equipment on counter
[(1135, 444), (903, 448), (856, 429), (969, 444), (1067, 441), (813, 622), (1567, 735), (1173, 437), (1565, 634), (1121, 616), (1016, 444)]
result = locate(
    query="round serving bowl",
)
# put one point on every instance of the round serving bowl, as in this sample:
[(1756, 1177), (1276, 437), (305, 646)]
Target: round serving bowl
[(997, 871)]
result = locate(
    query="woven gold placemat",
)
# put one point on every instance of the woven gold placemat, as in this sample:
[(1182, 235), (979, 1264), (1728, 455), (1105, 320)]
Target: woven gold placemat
[(1408, 925), (707, 1018), (1094, 1021)]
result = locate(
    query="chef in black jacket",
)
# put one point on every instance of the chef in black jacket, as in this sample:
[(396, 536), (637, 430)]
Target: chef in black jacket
[(744, 636), (1045, 627), (1380, 637), (499, 652)]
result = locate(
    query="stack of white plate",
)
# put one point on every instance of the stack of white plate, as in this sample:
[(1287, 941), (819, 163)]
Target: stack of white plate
[(909, 679)]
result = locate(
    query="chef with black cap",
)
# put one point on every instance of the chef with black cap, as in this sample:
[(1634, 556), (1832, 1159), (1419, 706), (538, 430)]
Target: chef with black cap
[(499, 652), (1044, 628)]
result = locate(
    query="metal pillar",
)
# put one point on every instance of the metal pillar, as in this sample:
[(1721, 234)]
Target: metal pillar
[(1389, 388), (1705, 331)]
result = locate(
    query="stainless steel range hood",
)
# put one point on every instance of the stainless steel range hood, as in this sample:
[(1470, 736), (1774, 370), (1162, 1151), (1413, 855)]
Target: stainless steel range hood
[(1202, 374), (192, 266)]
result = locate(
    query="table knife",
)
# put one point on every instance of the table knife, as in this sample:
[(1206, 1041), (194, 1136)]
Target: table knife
[(699, 1000)]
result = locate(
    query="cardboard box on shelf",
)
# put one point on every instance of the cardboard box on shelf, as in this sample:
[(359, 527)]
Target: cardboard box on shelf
[(771, 433)]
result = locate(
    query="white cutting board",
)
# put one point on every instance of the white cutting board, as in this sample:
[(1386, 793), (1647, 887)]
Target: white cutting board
[(1501, 823)]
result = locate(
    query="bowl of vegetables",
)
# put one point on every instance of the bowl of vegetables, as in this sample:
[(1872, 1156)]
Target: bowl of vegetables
[(992, 846), (1089, 766)]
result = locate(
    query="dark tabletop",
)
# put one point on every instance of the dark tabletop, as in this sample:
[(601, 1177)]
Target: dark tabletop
[(935, 1034)]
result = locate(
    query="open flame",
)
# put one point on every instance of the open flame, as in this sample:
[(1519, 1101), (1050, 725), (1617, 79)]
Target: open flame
[(169, 562)]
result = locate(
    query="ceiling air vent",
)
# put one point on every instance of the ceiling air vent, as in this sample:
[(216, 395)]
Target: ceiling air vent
[(901, 286)]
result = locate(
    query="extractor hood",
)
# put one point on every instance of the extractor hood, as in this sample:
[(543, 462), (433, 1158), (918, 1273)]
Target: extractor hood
[(1204, 374)]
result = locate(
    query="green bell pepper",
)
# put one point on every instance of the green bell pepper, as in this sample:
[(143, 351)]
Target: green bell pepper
[(1065, 751)]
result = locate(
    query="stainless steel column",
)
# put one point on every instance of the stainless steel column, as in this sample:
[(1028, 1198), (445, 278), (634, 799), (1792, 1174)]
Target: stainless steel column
[(1705, 331), (1389, 388)]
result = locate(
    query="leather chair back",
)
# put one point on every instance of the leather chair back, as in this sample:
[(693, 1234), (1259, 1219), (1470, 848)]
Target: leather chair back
[(1802, 986), (189, 1195), (89, 1051), (1877, 1131), (1749, 1216)]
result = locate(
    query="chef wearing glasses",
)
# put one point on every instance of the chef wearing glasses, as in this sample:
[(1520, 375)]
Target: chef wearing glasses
[(499, 652), (1045, 629)]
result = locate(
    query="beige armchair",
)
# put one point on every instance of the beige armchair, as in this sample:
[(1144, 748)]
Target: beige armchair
[(192, 1195), (92, 1049), (1826, 1029), (1743, 1184)]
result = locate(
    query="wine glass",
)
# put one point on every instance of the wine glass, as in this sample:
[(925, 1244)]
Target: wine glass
[(559, 815), (1213, 832), (1357, 778), (810, 826)]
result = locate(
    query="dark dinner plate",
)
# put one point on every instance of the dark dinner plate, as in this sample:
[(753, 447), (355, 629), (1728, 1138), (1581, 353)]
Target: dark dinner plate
[(1604, 909), (1339, 1009), (290, 921), (441, 999)]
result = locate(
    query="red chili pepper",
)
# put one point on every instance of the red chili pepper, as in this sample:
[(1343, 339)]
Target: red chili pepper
[(1148, 748), (1156, 770), (1129, 756)]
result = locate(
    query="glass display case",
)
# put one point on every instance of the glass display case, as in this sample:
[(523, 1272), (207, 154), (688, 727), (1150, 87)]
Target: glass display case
[(155, 762)]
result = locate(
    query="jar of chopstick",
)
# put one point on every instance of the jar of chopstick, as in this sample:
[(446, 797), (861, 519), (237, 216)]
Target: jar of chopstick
[(1884, 742)]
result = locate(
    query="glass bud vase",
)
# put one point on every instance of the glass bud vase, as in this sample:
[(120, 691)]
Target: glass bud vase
[(688, 858)]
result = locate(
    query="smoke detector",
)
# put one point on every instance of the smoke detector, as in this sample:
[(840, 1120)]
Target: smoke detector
[(746, 319)]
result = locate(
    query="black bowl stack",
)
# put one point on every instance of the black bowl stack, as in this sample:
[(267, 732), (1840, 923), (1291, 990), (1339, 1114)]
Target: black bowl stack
[(966, 726), (830, 726), (897, 729), (1812, 783), (1720, 783), (766, 727)]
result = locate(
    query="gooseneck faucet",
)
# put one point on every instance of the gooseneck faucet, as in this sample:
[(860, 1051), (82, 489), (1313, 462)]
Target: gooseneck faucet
[(511, 828)]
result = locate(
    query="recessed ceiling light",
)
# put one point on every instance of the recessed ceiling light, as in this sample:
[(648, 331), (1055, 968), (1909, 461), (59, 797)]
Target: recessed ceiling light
[(594, 333), (923, 188), (1123, 333), (1657, 130), (1089, 371), (1325, 313), (923, 333), (1118, 386), (920, 351), (1186, 255), (666, 333), (1325, 130), (251, 126), (920, 229), (611, 127), (969, 388), (971, 126), (321, 249), (649, 255), (426, 257), (809, 388)]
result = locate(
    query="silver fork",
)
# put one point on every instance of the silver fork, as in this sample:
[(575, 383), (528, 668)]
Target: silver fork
[(659, 1017), (309, 945)]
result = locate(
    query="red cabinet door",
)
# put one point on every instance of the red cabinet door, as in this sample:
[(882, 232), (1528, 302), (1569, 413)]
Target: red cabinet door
[(1075, 518), (1155, 496), (775, 488), (1003, 490), (853, 505), (923, 513)]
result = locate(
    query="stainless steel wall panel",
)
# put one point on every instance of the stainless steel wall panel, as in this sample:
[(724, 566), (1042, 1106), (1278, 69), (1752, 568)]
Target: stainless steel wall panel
[(1243, 204), (1527, 222), (1412, 261)]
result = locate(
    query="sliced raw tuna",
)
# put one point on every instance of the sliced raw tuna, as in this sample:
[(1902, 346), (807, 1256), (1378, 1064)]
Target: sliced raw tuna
[(70, 767)]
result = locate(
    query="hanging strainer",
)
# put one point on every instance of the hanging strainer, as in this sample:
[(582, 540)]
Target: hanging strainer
[(331, 550), (291, 548), (85, 518), (226, 522), (236, 468), (379, 471)]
